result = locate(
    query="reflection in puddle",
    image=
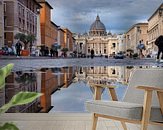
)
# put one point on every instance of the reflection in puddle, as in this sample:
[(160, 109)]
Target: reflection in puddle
[(65, 89)]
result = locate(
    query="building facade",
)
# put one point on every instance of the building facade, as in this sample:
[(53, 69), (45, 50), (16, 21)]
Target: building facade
[(61, 37), (49, 30), (98, 39), (68, 40), (136, 33), (1, 24), (155, 29), (20, 16), (121, 43)]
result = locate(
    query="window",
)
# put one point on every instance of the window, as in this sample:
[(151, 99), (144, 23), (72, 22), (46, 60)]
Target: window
[(19, 22), (33, 28), (113, 71), (23, 13), (5, 21), (89, 51), (81, 44), (19, 9), (114, 45), (23, 24), (4, 7), (5, 35), (104, 51)]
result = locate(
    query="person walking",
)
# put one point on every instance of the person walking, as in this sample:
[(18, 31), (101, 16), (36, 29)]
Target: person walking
[(51, 52), (141, 47), (18, 47), (13, 49), (92, 53), (159, 44)]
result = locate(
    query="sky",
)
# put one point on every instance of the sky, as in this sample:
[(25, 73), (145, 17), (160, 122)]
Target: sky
[(117, 15)]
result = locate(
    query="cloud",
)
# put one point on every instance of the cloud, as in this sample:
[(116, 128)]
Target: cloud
[(118, 16)]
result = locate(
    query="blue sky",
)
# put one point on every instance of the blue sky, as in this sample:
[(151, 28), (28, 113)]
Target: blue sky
[(117, 15)]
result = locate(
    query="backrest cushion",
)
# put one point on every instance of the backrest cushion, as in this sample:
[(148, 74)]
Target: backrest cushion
[(152, 77)]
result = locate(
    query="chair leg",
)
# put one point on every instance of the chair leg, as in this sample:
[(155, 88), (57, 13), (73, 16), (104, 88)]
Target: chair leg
[(146, 110), (124, 125), (94, 123)]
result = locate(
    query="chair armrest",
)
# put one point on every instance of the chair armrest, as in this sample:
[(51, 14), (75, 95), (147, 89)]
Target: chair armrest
[(101, 85), (147, 88)]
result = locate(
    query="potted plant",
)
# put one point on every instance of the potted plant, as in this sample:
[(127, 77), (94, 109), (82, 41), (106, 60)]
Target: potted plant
[(26, 39)]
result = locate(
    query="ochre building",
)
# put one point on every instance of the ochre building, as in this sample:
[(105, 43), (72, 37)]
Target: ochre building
[(49, 30)]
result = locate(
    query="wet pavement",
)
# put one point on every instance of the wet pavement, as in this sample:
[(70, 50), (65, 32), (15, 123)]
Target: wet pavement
[(36, 63)]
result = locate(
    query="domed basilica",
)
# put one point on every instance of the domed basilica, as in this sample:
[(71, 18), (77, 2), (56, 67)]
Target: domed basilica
[(97, 28), (99, 40)]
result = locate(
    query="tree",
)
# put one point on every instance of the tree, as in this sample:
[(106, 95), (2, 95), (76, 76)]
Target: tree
[(26, 39), (30, 39), (20, 36), (64, 49)]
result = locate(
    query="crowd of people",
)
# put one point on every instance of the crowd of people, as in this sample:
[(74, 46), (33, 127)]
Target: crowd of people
[(16, 49)]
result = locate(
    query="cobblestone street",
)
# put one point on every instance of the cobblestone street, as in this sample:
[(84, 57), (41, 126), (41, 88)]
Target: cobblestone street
[(32, 63)]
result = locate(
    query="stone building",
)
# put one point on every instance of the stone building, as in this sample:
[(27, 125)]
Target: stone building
[(20, 16), (155, 28), (98, 39), (1, 24), (135, 34)]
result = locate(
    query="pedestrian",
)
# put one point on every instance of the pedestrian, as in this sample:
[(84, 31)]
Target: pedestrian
[(159, 44), (51, 52), (13, 49), (92, 53), (46, 51), (18, 47), (56, 53), (141, 47)]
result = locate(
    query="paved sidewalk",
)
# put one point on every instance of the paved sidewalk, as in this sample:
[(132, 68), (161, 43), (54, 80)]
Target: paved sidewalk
[(25, 57)]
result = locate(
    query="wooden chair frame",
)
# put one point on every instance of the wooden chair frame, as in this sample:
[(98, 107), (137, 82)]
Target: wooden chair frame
[(146, 107)]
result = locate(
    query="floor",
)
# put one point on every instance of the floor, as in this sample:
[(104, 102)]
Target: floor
[(58, 121)]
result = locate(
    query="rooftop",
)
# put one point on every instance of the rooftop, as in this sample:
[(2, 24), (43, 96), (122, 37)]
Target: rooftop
[(43, 1), (160, 7), (135, 25)]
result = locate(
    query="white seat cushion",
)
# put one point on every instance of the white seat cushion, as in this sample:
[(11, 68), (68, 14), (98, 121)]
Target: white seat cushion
[(131, 111)]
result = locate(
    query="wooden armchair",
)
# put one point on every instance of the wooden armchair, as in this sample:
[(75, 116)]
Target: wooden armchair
[(138, 107)]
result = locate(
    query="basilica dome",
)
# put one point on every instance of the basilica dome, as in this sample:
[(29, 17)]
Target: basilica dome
[(97, 28)]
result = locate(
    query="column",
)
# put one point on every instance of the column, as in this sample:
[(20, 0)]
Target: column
[(38, 36)]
